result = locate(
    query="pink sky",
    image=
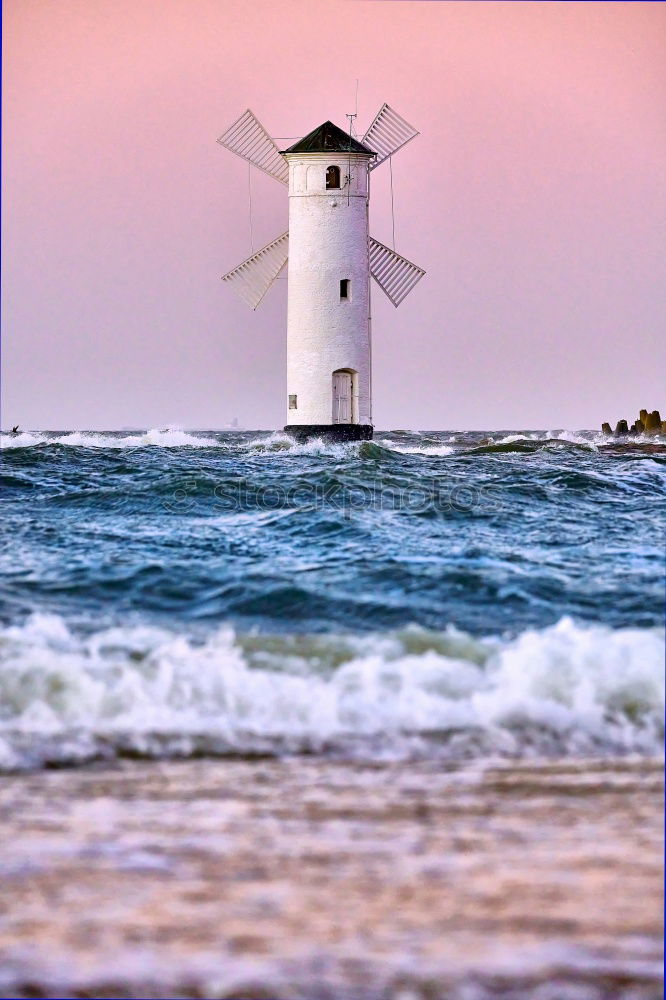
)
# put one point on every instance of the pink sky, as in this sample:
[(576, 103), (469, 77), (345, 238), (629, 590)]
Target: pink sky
[(535, 199)]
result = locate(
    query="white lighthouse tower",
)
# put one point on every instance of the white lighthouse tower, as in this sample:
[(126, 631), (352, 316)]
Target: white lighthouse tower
[(331, 258)]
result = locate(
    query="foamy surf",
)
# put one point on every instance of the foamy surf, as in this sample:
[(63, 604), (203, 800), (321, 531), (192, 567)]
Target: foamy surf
[(269, 443), (279, 441), (567, 690), (276, 442), (586, 439), (437, 450), (168, 438)]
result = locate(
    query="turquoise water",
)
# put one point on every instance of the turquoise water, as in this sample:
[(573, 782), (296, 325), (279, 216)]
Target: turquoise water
[(171, 592)]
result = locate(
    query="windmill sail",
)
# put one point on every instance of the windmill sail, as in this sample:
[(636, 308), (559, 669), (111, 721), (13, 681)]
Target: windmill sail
[(395, 275), (388, 133), (248, 138), (252, 279)]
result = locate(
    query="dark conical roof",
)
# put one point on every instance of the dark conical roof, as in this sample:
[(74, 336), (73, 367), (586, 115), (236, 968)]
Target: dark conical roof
[(328, 138)]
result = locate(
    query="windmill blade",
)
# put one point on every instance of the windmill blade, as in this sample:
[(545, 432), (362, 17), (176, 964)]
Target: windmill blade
[(388, 133), (252, 279), (248, 138), (395, 275)]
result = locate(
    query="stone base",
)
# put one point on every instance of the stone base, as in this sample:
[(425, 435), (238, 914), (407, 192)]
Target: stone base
[(330, 432)]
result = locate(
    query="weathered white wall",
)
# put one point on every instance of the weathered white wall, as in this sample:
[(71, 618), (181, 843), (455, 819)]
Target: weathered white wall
[(328, 241)]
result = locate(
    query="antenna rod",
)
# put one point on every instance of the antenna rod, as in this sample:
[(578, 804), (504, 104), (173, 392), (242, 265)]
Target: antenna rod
[(351, 124)]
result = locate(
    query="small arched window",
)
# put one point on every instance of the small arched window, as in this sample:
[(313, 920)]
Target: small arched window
[(332, 177)]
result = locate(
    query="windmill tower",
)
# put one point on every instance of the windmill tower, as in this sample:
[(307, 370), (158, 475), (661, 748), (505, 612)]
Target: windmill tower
[(331, 257)]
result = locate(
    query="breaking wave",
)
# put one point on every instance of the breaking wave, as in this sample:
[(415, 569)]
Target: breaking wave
[(278, 441), (146, 691), (426, 444), (169, 438), (421, 449)]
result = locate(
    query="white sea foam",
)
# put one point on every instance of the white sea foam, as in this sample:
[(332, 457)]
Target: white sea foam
[(566, 437), (278, 441), (587, 439), (438, 450), (168, 438), (564, 689), (176, 438)]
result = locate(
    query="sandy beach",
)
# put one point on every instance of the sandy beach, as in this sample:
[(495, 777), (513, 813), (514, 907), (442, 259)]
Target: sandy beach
[(303, 879)]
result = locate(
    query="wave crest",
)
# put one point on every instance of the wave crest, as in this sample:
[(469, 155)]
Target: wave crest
[(169, 438), (140, 690)]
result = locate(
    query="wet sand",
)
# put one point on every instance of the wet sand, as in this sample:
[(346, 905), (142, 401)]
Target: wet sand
[(312, 879)]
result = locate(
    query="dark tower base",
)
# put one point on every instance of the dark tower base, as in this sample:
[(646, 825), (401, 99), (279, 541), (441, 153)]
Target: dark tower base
[(330, 432)]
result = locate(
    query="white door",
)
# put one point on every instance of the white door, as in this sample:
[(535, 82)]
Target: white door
[(342, 398)]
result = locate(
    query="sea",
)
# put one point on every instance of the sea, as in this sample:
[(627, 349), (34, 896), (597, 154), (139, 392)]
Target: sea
[(448, 595)]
